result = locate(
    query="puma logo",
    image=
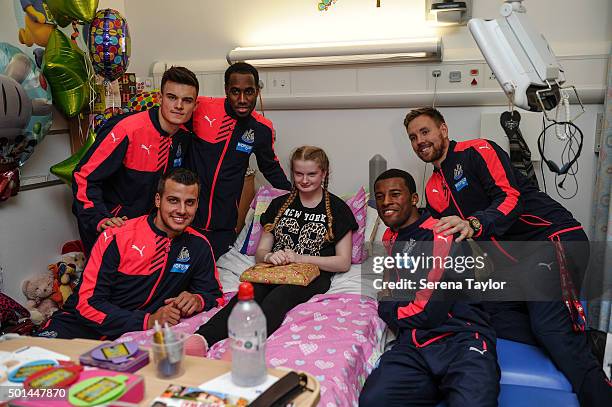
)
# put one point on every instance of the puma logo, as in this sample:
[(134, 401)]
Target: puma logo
[(210, 122), (547, 265), (434, 190), (139, 250), (445, 238), (478, 350), (146, 148), (484, 148), (114, 138), (106, 237)]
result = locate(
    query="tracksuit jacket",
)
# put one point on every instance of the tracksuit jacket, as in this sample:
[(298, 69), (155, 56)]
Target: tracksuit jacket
[(118, 175), (133, 269), (476, 179), (220, 156), (430, 317)]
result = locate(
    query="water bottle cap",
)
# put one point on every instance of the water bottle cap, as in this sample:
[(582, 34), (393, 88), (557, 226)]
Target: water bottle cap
[(245, 292)]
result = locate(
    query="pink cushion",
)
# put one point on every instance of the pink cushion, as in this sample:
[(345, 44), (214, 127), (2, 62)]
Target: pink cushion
[(260, 203), (357, 203)]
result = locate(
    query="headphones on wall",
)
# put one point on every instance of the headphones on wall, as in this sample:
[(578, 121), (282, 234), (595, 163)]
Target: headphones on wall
[(552, 166)]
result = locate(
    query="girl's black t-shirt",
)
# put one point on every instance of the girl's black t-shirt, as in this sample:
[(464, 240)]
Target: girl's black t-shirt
[(303, 229)]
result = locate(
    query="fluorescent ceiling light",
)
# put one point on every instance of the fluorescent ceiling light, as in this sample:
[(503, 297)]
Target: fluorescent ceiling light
[(384, 51)]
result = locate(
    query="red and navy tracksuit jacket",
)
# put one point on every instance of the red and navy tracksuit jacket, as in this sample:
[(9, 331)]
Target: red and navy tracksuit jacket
[(445, 349), (476, 179), (429, 317), (131, 271), (118, 175), (220, 156)]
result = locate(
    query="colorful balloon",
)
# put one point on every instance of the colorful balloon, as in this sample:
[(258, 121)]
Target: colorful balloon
[(69, 73), (144, 101), (109, 44), (65, 11), (65, 169), (26, 114)]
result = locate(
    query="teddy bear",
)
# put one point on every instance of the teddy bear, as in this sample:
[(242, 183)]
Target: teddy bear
[(39, 291)]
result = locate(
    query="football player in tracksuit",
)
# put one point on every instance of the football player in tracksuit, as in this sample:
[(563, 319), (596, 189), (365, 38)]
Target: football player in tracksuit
[(228, 131), (116, 179), (476, 193), (153, 268), (445, 347)]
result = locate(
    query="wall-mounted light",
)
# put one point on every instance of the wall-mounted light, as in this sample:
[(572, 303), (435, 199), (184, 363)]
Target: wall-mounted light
[(448, 12), (380, 51)]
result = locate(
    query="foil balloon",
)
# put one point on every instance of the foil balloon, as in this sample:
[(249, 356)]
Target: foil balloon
[(144, 101), (25, 107), (66, 11), (109, 44), (65, 169), (69, 73)]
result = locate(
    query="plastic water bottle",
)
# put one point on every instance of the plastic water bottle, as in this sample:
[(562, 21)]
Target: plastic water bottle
[(247, 331)]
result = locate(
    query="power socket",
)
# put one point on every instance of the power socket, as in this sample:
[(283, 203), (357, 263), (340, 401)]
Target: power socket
[(436, 73)]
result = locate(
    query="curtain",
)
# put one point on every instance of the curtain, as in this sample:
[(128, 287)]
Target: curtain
[(600, 311)]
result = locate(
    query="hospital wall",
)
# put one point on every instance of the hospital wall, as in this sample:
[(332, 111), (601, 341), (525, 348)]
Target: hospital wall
[(34, 224)]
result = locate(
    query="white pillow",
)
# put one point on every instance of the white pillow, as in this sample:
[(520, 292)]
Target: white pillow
[(248, 219)]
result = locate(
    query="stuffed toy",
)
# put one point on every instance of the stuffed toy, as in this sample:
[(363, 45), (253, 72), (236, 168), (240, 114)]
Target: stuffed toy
[(73, 253), (67, 271), (38, 290), (64, 276)]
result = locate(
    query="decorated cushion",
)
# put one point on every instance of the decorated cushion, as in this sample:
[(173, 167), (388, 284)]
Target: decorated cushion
[(294, 273)]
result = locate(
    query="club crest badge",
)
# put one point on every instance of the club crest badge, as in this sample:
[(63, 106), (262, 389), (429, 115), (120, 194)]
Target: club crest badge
[(249, 136), (183, 255), (458, 172)]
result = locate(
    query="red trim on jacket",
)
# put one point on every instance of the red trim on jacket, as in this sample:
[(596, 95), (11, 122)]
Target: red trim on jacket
[(194, 232), (90, 280), (440, 250), (214, 183), (496, 169), (104, 150)]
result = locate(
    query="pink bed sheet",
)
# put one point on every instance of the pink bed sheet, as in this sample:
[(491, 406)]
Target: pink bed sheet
[(334, 337)]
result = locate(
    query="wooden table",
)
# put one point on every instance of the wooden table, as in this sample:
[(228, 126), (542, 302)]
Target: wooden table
[(196, 370)]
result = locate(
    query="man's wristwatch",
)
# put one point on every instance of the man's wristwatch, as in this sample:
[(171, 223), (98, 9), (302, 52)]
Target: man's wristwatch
[(475, 225)]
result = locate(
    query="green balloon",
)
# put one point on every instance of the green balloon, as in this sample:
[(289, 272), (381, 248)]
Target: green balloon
[(69, 72), (65, 11), (65, 169)]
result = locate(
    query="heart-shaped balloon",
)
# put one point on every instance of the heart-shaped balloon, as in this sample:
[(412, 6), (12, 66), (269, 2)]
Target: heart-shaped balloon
[(65, 11), (69, 73)]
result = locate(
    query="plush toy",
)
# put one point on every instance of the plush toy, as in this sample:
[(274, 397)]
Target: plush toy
[(74, 253), (38, 290), (64, 276)]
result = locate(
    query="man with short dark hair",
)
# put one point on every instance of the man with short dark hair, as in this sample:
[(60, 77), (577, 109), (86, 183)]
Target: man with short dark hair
[(116, 178), (153, 268), (228, 131), (476, 193), (445, 348)]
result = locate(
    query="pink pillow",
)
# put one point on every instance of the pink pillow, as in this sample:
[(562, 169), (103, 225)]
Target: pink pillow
[(357, 203), (260, 203), (359, 206)]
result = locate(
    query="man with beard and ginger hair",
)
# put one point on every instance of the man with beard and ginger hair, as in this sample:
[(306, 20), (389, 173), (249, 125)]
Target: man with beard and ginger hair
[(228, 131), (153, 268), (445, 349), (476, 193), (116, 179)]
